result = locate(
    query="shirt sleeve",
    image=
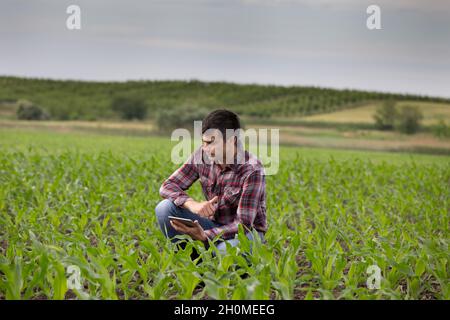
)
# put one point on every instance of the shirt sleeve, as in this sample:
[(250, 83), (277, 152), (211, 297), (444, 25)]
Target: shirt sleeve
[(249, 202), (174, 187)]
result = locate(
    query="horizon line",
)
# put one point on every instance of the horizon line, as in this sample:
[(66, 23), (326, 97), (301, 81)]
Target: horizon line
[(421, 95)]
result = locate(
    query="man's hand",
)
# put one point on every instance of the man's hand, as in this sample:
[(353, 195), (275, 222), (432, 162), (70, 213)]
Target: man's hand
[(196, 233), (204, 208)]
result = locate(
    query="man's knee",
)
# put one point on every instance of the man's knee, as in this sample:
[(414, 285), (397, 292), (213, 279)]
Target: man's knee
[(222, 246), (164, 209)]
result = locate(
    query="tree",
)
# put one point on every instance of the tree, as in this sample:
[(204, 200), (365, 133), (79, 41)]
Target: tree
[(385, 115), (28, 111), (129, 107), (441, 129), (409, 120), (183, 117)]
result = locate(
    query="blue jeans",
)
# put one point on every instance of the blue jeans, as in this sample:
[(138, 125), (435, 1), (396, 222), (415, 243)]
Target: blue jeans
[(167, 208)]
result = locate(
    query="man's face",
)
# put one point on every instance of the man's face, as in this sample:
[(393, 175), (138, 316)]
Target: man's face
[(216, 147)]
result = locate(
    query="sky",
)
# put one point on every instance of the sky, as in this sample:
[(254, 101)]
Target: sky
[(284, 42)]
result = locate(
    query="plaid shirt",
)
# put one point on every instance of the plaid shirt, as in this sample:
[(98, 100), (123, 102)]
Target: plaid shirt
[(241, 190)]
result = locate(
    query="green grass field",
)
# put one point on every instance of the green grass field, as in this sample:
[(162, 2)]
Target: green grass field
[(88, 200)]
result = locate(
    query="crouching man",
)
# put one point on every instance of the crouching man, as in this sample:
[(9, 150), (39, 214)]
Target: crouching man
[(233, 184)]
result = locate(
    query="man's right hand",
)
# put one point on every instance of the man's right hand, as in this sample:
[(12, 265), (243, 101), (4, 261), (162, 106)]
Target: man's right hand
[(204, 208)]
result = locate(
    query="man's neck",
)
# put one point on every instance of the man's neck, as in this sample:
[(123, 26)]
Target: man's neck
[(223, 166)]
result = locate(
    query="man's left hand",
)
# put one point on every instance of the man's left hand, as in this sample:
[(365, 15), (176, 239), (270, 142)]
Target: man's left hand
[(196, 233)]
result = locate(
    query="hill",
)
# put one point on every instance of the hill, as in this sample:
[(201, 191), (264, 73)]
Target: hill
[(84, 100)]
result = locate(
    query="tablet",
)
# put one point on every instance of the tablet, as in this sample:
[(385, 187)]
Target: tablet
[(188, 222)]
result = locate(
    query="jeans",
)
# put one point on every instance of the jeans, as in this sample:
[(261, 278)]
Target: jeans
[(167, 208)]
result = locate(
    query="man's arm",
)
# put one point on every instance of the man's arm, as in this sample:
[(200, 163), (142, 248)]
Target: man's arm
[(203, 208), (174, 187), (247, 209)]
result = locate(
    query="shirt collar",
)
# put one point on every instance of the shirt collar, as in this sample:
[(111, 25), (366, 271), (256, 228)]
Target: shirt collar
[(232, 166)]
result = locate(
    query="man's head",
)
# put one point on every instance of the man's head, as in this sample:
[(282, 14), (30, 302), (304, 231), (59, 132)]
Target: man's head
[(219, 135)]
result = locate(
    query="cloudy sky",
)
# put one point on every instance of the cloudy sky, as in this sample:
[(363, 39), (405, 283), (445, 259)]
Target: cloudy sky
[(287, 42)]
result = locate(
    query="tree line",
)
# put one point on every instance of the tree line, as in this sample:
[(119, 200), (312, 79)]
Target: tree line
[(84, 100)]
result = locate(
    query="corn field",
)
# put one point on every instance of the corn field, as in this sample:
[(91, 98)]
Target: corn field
[(86, 201)]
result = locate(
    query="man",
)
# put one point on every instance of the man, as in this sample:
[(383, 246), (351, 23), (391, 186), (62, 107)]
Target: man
[(233, 184)]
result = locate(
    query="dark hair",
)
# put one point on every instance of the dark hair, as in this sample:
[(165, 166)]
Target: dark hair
[(222, 120)]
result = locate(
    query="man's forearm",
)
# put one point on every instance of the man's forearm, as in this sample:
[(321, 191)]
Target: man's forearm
[(188, 204), (170, 190)]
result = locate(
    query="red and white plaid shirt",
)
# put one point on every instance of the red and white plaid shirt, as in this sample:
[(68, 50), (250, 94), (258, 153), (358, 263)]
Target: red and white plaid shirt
[(240, 187)]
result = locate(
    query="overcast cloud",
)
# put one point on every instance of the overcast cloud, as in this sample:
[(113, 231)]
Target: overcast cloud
[(286, 42)]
